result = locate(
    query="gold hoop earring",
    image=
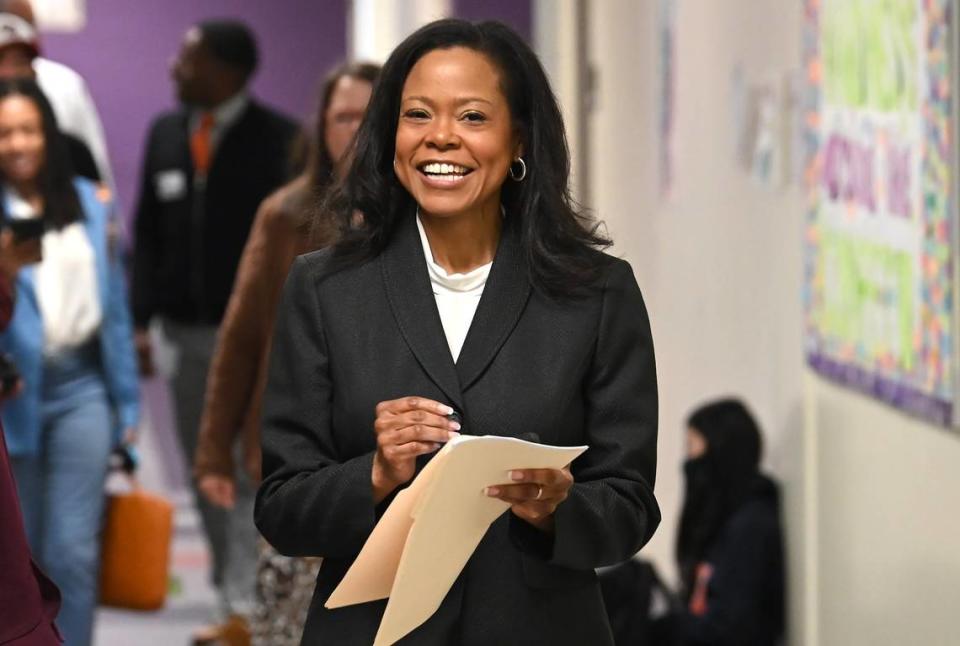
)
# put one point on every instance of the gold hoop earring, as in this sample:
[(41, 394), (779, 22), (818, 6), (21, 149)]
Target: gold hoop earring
[(523, 170)]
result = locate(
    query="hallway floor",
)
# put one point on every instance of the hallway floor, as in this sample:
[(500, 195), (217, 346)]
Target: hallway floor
[(191, 600)]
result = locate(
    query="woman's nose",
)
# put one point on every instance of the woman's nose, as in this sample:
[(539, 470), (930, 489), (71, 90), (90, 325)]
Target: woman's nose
[(442, 135), (16, 142)]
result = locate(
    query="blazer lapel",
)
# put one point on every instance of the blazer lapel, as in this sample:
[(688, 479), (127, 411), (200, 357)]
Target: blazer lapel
[(499, 310), (415, 310)]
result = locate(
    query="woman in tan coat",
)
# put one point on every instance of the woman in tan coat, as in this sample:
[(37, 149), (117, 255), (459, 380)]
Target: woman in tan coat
[(287, 225)]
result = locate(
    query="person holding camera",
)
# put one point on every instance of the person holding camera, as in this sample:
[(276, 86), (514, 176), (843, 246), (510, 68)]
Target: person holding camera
[(72, 341)]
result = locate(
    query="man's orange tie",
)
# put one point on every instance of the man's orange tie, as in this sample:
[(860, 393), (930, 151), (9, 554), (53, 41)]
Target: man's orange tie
[(200, 144)]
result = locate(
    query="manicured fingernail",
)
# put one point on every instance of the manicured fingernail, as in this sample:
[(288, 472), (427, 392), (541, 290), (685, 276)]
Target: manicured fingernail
[(492, 491), (455, 426), (452, 434), (446, 410), (516, 475)]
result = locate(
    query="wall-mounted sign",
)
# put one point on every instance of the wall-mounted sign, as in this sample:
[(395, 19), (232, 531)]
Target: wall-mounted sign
[(879, 236)]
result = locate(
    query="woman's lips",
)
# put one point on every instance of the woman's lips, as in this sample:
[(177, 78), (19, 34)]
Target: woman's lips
[(21, 164), (442, 175), (443, 182)]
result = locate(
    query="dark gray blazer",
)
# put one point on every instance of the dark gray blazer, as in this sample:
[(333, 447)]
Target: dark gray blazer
[(573, 372)]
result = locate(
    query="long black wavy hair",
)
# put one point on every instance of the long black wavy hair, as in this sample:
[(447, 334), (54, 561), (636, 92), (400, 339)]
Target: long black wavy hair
[(61, 204), (560, 242)]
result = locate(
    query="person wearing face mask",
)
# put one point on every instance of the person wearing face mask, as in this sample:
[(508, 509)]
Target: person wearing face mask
[(288, 224), (72, 341), (469, 296), (729, 544)]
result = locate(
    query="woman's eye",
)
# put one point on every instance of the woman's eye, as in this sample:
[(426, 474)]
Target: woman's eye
[(416, 114), (475, 117)]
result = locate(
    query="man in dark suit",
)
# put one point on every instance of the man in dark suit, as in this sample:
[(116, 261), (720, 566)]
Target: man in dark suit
[(208, 165)]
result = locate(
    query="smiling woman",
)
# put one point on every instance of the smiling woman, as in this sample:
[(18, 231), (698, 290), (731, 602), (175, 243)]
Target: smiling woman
[(72, 341), (469, 297)]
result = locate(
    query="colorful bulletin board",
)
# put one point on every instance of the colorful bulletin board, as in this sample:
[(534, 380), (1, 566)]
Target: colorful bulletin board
[(879, 262)]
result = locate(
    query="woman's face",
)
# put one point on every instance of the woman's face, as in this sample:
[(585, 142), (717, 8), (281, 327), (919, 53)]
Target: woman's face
[(348, 102), (22, 146), (696, 444), (455, 139)]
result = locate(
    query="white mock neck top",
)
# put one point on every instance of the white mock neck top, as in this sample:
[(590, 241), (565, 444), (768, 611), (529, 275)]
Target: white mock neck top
[(456, 295)]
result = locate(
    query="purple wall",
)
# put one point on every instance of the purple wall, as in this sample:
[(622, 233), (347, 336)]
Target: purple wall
[(515, 13), (126, 47)]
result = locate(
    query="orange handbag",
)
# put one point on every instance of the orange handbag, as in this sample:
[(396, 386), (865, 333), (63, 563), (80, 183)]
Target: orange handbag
[(136, 550)]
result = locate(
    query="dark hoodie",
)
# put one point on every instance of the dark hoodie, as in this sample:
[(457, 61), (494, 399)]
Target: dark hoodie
[(730, 544)]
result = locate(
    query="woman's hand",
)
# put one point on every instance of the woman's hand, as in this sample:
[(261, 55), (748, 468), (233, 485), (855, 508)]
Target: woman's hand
[(13, 393), (406, 428), (144, 348), (535, 494), (218, 490)]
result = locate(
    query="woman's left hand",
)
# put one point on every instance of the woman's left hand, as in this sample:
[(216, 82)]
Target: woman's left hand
[(535, 494)]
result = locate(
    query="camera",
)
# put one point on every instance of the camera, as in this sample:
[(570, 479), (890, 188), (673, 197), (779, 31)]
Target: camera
[(26, 229)]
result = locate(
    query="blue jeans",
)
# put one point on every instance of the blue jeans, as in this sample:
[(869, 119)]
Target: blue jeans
[(61, 489)]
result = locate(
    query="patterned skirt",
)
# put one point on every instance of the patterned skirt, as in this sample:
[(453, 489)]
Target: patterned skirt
[(284, 590)]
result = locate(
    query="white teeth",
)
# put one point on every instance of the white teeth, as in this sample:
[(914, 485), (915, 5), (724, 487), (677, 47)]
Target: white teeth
[(449, 179), (436, 168)]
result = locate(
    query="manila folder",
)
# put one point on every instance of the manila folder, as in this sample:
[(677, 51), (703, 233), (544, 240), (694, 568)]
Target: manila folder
[(426, 536)]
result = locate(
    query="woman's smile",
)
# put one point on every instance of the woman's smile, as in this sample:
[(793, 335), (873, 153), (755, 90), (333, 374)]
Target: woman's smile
[(443, 175)]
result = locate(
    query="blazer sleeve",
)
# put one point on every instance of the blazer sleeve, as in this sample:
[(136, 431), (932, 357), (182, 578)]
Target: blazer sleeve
[(244, 338), (146, 251), (610, 511), (312, 501), (122, 376)]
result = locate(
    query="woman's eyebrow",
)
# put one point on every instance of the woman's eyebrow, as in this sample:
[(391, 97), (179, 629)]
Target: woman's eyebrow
[(459, 102)]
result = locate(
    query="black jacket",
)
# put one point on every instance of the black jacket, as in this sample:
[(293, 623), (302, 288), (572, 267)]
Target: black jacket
[(745, 593), (189, 242), (574, 372), (81, 158)]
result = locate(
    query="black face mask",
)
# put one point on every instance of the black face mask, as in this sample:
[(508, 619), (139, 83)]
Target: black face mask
[(698, 473), (702, 495)]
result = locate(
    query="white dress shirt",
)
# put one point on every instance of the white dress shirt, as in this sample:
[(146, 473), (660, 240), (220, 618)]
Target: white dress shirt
[(457, 296)]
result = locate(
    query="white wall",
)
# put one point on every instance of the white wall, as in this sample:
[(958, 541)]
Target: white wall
[(557, 39), (889, 525), (378, 26), (872, 499)]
